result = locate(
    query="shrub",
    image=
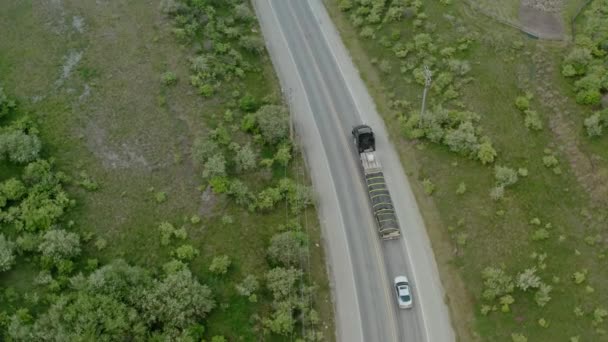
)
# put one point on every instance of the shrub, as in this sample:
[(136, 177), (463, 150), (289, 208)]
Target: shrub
[(486, 153), (462, 188), (57, 244), (523, 172), (283, 155), (186, 252), (166, 232), (579, 277), (522, 103), (428, 186), (203, 149), (19, 147), (243, 12), (219, 184), (248, 286), (215, 166), (7, 257), (287, 248), (594, 125), (12, 189), (252, 43), (240, 192), (219, 265), (532, 120), (528, 279), (248, 103), (248, 122), (518, 338), (160, 197), (101, 244), (245, 158), (168, 78), (497, 193), (345, 5), (273, 122), (550, 161), (540, 234), (367, 32), (505, 176), (496, 283), (541, 297), (6, 104)]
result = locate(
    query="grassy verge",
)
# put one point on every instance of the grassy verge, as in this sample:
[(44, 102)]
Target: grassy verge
[(469, 230), (90, 75)]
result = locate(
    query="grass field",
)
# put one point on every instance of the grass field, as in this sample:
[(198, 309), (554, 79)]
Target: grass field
[(89, 72), (470, 231)]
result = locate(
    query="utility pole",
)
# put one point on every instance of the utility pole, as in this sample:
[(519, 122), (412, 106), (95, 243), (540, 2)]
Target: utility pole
[(427, 83)]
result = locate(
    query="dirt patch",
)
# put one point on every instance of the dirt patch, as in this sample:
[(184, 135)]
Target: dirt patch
[(542, 17), (124, 156)]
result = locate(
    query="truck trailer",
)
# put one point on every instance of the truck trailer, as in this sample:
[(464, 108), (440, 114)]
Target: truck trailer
[(379, 196)]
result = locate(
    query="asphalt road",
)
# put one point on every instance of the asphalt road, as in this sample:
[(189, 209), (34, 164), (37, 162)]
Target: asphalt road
[(327, 98)]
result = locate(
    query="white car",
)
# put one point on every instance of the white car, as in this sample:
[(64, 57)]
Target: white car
[(404, 295)]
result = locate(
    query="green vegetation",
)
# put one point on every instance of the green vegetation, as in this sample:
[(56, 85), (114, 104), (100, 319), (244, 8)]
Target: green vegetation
[(507, 262), (108, 230)]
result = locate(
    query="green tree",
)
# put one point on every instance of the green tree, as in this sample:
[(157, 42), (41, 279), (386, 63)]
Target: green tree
[(505, 176), (203, 149), (120, 281), (12, 189), (273, 122), (288, 248), (19, 147), (245, 158), (81, 317), (58, 244), (281, 281), (248, 286), (176, 302), (215, 166), (220, 264)]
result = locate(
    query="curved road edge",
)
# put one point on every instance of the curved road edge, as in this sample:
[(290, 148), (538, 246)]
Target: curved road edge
[(346, 307), (429, 289)]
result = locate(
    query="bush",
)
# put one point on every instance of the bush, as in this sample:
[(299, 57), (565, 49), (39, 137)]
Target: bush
[(12, 189), (245, 158), (428, 186), (243, 12), (497, 193), (240, 192), (505, 176), (248, 286), (273, 122), (522, 103), (19, 147), (168, 78), (185, 252), (462, 188), (594, 125), (532, 120), (518, 338), (203, 149), (57, 244), (248, 103), (486, 153), (345, 5), (6, 104), (550, 161), (541, 297), (166, 232), (288, 248), (219, 265), (215, 166), (160, 197), (283, 155), (252, 43), (7, 257), (496, 283), (528, 279)]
